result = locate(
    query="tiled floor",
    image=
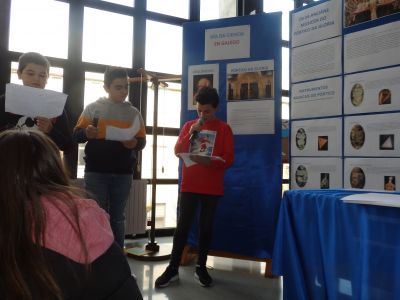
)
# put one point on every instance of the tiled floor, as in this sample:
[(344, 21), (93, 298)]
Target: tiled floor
[(233, 279)]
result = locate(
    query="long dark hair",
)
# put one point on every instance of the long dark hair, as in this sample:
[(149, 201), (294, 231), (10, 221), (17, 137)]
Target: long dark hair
[(30, 167)]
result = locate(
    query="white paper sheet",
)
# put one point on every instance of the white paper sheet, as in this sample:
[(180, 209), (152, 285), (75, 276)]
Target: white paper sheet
[(227, 42), (319, 137), (316, 173), (389, 199), (377, 90), (317, 22), (122, 134), (34, 102), (372, 135), (372, 173), (188, 162), (320, 59), (372, 48), (318, 98)]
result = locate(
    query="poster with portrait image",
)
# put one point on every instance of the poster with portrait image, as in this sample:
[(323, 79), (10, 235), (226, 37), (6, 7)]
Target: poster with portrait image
[(372, 173), (316, 173), (356, 12), (319, 98), (317, 60), (250, 97), (372, 135), (372, 48), (319, 137), (198, 77), (374, 91), (316, 23)]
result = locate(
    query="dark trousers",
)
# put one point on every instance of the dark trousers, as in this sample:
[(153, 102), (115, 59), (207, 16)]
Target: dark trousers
[(187, 212)]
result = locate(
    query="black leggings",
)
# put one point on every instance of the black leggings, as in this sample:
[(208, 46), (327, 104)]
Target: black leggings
[(187, 212)]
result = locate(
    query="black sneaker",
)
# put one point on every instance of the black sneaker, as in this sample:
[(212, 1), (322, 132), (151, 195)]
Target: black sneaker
[(169, 275), (202, 276)]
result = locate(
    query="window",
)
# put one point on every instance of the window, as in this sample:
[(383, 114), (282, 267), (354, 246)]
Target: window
[(35, 23), (285, 6), (166, 206), (285, 108), (217, 9), (176, 8), (167, 162), (129, 3), (169, 105), (163, 48), (107, 38), (285, 68), (93, 87)]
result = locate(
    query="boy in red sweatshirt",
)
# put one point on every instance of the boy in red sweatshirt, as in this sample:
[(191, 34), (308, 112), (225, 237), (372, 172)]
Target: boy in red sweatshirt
[(202, 183)]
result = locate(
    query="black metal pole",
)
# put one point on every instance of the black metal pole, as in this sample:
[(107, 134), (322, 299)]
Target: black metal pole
[(152, 245)]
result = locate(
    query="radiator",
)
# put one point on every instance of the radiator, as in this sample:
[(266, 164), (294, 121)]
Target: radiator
[(135, 210)]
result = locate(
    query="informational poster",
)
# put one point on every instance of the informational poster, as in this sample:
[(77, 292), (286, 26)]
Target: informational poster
[(376, 135), (317, 137), (250, 96), (317, 23), (227, 43), (372, 173), (374, 91), (320, 59), (356, 12), (316, 173), (319, 98), (249, 91), (372, 48), (200, 76)]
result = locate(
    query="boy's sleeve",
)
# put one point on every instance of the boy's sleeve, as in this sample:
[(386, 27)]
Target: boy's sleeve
[(183, 143), (79, 133), (61, 134), (141, 135)]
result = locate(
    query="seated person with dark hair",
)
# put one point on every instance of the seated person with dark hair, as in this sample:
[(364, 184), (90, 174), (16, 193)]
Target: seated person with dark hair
[(54, 244)]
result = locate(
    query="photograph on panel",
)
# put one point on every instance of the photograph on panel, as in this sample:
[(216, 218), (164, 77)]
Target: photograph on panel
[(324, 183), (301, 138), (200, 81), (386, 141), (323, 143), (357, 136), (250, 85), (360, 11), (301, 176), (357, 178), (201, 76), (357, 94), (390, 183), (385, 97), (316, 172)]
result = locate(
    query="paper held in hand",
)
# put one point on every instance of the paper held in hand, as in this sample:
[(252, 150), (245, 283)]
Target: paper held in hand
[(188, 162), (33, 102), (122, 134)]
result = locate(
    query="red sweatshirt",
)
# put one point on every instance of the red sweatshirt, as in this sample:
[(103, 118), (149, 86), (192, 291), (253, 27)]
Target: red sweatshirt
[(216, 136)]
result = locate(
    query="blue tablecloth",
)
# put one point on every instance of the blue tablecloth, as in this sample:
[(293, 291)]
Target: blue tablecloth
[(327, 249)]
